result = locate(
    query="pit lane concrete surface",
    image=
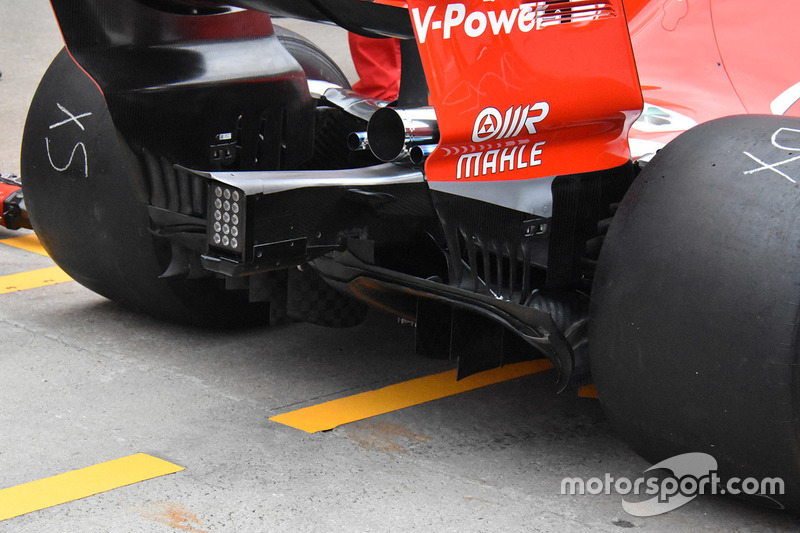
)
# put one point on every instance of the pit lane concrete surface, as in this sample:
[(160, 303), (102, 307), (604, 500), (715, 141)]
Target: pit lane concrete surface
[(85, 382)]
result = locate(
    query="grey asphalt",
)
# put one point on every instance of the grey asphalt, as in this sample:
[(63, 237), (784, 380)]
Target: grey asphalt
[(85, 381)]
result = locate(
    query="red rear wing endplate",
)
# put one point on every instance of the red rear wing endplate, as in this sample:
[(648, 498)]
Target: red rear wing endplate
[(525, 90)]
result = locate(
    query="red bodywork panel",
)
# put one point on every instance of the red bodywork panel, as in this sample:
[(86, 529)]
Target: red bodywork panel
[(706, 59), (527, 90), (698, 60), (764, 69)]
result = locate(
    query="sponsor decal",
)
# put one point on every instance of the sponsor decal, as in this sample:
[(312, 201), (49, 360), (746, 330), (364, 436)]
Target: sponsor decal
[(499, 160), (491, 124), (499, 157), (530, 16)]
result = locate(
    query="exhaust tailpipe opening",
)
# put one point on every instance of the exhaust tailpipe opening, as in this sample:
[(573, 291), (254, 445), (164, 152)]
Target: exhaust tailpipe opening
[(357, 141), (392, 133), (418, 154)]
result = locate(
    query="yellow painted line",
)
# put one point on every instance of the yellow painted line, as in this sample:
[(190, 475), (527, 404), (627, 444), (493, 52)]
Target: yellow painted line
[(77, 484), (29, 243), (331, 414), (33, 279), (588, 391)]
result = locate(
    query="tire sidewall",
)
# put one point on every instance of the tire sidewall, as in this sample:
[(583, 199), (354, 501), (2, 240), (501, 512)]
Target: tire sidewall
[(696, 302)]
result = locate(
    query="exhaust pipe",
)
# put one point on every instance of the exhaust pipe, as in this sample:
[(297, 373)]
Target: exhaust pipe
[(418, 154), (357, 141), (393, 133)]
